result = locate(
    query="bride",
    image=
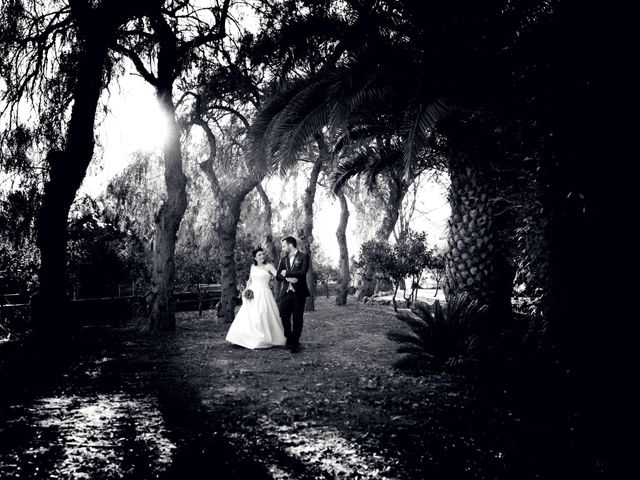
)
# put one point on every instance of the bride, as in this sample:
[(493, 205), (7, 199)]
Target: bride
[(257, 323)]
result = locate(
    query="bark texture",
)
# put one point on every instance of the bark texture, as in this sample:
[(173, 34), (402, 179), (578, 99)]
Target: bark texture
[(341, 234)]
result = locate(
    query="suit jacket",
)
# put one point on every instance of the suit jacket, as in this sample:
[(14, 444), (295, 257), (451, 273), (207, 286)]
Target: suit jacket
[(298, 268)]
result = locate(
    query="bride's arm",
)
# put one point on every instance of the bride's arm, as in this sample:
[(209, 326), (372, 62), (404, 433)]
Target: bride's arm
[(274, 272), (248, 280)]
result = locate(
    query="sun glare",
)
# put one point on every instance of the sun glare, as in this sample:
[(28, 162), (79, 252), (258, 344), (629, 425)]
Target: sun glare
[(144, 124), (135, 122)]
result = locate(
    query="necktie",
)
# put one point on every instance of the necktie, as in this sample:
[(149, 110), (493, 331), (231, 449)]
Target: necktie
[(290, 287)]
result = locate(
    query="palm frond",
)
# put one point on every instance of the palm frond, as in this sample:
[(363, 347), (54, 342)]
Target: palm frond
[(368, 162), (351, 167), (420, 130), (285, 128), (414, 350), (357, 136), (419, 325), (293, 137), (422, 310), (263, 134), (438, 311), (447, 339), (405, 338)]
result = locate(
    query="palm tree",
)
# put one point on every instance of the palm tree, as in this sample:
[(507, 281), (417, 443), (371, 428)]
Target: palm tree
[(406, 79), (477, 262)]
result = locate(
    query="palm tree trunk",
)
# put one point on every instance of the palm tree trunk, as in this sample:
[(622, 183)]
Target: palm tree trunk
[(476, 263), (341, 234), (162, 312), (67, 170)]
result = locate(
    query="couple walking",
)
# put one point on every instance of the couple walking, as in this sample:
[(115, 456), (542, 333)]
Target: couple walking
[(260, 322)]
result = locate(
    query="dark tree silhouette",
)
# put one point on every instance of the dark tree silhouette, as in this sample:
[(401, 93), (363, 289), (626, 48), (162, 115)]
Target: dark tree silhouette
[(31, 42)]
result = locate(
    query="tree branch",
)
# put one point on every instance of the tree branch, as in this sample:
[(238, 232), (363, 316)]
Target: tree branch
[(207, 165), (218, 34), (137, 62), (232, 110)]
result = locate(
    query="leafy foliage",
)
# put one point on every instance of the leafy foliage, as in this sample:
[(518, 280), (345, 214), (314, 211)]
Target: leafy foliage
[(408, 257), (380, 256), (412, 252), (436, 266), (19, 258), (101, 254), (442, 338), (195, 265), (19, 267)]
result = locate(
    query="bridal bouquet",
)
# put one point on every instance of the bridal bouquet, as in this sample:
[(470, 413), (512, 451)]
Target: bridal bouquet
[(248, 293)]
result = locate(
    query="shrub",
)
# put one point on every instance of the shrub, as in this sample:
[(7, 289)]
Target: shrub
[(442, 338), (101, 253)]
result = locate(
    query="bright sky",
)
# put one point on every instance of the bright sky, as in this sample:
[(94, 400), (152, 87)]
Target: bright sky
[(431, 201), (135, 122)]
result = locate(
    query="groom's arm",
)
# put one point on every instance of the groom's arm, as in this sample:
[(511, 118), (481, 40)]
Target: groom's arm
[(301, 271), (281, 267)]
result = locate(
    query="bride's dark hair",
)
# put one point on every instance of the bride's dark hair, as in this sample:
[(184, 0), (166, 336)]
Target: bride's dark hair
[(254, 252)]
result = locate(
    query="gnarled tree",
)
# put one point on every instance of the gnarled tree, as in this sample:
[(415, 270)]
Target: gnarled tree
[(58, 59), (179, 30), (231, 180)]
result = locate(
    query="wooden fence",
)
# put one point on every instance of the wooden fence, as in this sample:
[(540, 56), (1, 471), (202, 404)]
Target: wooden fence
[(129, 302)]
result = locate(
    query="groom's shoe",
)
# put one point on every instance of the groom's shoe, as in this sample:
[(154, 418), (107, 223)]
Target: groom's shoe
[(295, 348)]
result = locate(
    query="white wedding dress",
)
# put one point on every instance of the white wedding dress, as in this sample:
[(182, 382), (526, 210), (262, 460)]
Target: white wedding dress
[(257, 323)]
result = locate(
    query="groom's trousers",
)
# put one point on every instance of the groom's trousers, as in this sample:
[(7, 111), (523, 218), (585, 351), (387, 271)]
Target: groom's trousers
[(291, 305)]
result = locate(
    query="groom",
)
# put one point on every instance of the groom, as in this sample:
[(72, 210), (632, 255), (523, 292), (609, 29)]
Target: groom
[(292, 296)]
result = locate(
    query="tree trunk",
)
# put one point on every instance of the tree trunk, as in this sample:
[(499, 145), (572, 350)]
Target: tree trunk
[(476, 263), (391, 213), (227, 230), (341, 234), (230, 197), (162, 311), (306, 234), (393, 299), (162, 314), (67, 170), (270, 247)]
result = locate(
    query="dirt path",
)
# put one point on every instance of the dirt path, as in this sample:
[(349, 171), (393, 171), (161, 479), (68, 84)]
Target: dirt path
[(337, 407), (169, 406)]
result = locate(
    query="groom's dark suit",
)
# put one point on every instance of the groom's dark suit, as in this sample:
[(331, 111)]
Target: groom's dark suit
[(292, 303)]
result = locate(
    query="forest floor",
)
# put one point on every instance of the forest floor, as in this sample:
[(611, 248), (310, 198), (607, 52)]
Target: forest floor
[(191, 405)]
